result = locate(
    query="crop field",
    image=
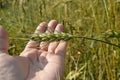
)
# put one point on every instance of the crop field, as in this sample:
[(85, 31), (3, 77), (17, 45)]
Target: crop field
[(94, 56)]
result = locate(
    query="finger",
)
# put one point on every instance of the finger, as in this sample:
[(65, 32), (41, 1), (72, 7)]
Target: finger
[(3, 40), (51, 27), (53, 45), (40, 29), (61, 48)]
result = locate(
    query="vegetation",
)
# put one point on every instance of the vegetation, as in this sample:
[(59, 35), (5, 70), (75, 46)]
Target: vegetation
[(94, 19)]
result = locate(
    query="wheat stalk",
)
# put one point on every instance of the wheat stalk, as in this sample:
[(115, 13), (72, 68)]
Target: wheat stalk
[(57, 36)]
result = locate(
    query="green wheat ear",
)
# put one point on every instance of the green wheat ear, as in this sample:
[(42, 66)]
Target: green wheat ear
[(50, 37), (57, 36), (111, 34)]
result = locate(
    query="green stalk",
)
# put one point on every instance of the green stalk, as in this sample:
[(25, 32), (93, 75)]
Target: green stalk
[(57, 36), (97, 40)]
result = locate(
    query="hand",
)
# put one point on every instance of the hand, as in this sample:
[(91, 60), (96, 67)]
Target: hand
[(43, 63)]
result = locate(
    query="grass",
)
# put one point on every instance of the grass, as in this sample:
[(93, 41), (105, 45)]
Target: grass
[(85, 59)]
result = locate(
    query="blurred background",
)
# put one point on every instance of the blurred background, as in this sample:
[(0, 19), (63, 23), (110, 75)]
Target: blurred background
[(85, 59)]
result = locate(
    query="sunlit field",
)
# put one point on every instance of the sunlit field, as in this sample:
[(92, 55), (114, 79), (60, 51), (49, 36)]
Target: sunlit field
[(86, 59)]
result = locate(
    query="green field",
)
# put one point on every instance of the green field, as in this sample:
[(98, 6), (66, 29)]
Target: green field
[(85, 59)]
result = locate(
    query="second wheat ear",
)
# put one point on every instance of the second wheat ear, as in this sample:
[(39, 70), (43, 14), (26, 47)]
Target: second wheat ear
[(57, 36)]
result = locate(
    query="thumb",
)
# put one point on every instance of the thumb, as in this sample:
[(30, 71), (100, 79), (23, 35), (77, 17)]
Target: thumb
[(3, 40)]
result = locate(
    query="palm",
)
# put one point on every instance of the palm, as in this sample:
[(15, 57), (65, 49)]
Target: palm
[(48, 67), (37, 64)]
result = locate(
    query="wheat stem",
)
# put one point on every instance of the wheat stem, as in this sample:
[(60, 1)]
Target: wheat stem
[(97, 40), (57, 36), (63, 36)]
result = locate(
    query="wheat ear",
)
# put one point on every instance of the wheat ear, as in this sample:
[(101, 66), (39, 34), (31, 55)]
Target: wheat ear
[(57, 36)]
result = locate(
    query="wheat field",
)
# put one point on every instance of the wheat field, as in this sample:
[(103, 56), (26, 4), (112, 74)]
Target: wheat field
[(85, 59)]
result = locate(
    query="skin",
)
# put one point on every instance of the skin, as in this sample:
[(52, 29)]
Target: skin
[(38, 61)]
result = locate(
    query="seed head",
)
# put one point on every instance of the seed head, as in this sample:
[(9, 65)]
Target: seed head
[(50, 37), (111, 34)]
